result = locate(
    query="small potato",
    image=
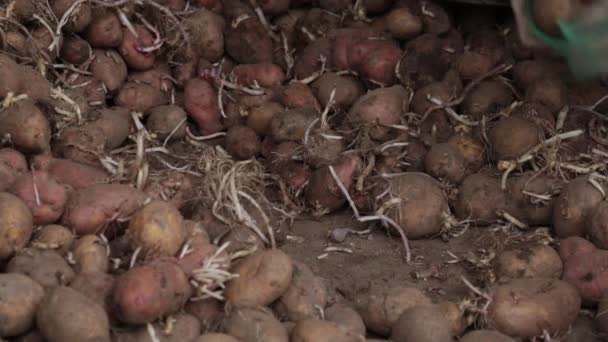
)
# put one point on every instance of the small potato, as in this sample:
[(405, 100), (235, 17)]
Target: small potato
[(83, 144), (486, 335), (16, 225), (422, 323), (315, 330), (67, 315), (19, 299), (480, 197), (242, 238), (488, 97), (78, 20), (573, 245), (307, 62), (292, 124), (266, 75), (347, 317), (54, 237), (305, 295), (158, 229), (167, 122), (158, 77), (385, 306), (171, 186), (96, 286), (46, 267), (529, 306), (573, 206), (215, 337), (109, 68), (444, 161), (14, 159), (253, 324), (529, 262), (324, 147), (297, 95), (104, 31), (535, 212), (248, 42), (90, 254), (140, 97), (259, 118), (587, 272), (323, 193), (347, 89), (263, 278), (185, 328), (242, 142), (75, 50), (403, 24), (29, 129), (132, 48), (42, 194), (115, 123), (551, 92)]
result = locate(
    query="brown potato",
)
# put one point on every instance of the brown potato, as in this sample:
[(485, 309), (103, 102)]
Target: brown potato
[(455, 316), (347, 89), (444, 161), (471, 149), (292, 124), (28, 128), (158, 229), (253, 324), (54, 237), (485, 335), (315, 330), (551, 92), (42, 194), (512, 137), (167, 121), (78, 20), (324, 147), (209, 312), (83, 144), (109, 68), (90, 254), (305, 295), (140, 97), (260, 117), (529, 262), (347, 317), (131, 48), (422, 323), (263, 278), (403, 24), (75, 50), (19, 299), (115, 123), (522, 190), (242, 142), (598, 225), (96, 286), (573, 206), (480, 198), (323, 193), (185, 328), (529, 306), (16, 225), (385, 306), (67, 315), (488, 97), (215, 337), (104, 31), (242, 238), (207, 31), (46, 267)]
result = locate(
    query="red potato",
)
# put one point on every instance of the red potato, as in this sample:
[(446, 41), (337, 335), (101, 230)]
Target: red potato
[(379, 109), (308, 61), (75, 50), (134, 49), (27, 126), (206, 31), (265, 75), (140, 97), (104, 30), (42, 194), (90, 210), (574, 245), (587, 272), (201, 103), (109, 68), (12, 164), (378, 66), (323, 193), (344, 42), (297, 95), (70, 173), (598, 225)]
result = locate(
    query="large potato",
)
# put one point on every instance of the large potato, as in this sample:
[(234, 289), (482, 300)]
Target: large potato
[(16, 225), (46, 267), (262, 278), (305, 295), (346, 317), (422, 323), (253, 324), (315, 330), (529, 306), (574, 204), (529, 261), (158, 229), (67, 315), (97, 286), (19, 299)]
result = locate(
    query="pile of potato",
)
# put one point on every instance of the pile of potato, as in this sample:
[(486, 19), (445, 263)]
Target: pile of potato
[(418, 114)]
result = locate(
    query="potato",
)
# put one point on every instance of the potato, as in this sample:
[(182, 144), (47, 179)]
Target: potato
[(315, 330), (598, 225), (526, 307), (379, 109), (537, 113), (167, 121), (522, 189), (16, 225), (346, 317), (19, 299), (384, 307), (512, 137), (378, 66), (444, 161), (46, 267), (583, 330), (472, 64), (260, 117), (297, 95), (43, 195), (115, 123), (90, 254), (78, 20), (90, 210), (587, 272), (207, 34), (96, 286), (171, 186), (488, 97), (248, 42), (75, 50), (574, 245), (242, 238), (265, 75), (480, 198), (323, 148), (139, 97), (28, 128), (572, 207), (315, 23), (132, 48), (200, 101), (146, 293), (548, 14), (403, 24), (271, 270), (422, 323), (184, 328), (109, 68), (485, 335), (83, 144), (208, 311), (529, 262), (14, 159), (252, 324), (347, 89), (307, 62), (70, 173), (159, 77), (323, 193), (423, 206), (304, 296), (421, 64), (242, 142), (54, 237), (91, 89), (551, 92), (292, 124), (158, 229), (104, 31), (67, 315), (215, 337)]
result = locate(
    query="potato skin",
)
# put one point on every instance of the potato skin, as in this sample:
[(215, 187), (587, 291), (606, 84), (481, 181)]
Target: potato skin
[(572, 207), (164, 120), (25, 113), (525, 307), (207, 31), (323, 192), (16, 225), (485, 335), (96, 286), (422, 323), (263, 277), (479, 198), (186, 328), (55, 237), (200, 101), (70, 173), (109, 68), (315, 330), (347, 317), (252, 324), (104, 31), (587, 272), (43, 195), (90, 254), (305, 295), (47, 267), (598, 225), (528, 262), (130, 45), (67, 315), (19, 299), (215, 337)]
